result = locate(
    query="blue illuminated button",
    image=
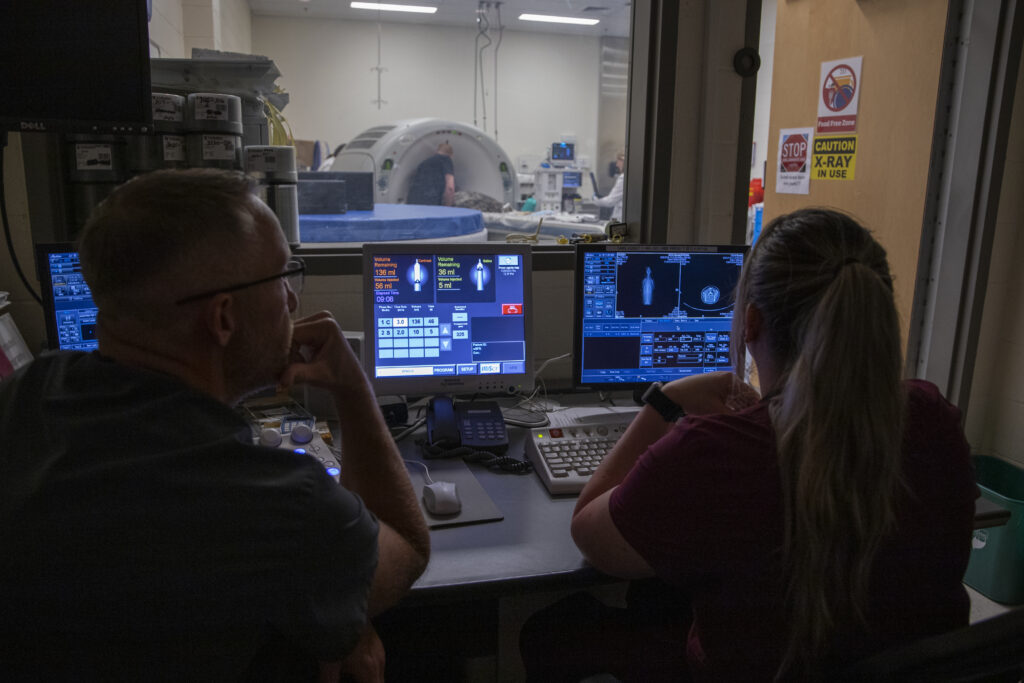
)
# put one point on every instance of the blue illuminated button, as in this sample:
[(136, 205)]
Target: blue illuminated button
[(300, 451), (333, 471)]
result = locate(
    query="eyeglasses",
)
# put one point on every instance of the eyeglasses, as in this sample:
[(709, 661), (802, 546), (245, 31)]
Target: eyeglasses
[(293, 274)]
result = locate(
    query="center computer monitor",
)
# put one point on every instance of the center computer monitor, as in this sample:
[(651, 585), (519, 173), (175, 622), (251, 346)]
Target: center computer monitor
[(67, 302), (648, 313), (447, 318)]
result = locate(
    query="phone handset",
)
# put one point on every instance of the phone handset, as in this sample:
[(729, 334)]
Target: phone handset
[(442, 428)]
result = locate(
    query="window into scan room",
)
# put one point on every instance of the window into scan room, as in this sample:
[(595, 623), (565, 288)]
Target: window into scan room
[(461, 120)]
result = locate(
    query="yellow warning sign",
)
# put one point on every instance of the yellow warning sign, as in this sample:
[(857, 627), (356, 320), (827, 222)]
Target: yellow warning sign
[(834, 157)]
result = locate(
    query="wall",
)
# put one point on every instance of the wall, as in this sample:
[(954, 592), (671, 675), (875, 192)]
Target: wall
[(995, 421), (612, 108), (217, 25), (235, 21), (176, 26), (167, 29), (547, 85)]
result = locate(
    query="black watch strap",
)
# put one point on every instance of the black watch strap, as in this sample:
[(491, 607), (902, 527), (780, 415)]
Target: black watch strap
[(666, 407)]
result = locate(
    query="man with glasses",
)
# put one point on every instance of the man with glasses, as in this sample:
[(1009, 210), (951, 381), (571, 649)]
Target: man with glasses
[(142, 534)]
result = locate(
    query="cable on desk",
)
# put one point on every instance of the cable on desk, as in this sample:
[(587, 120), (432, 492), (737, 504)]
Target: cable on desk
[(495, 463), (541, 387), (406, 430), (426, 470)]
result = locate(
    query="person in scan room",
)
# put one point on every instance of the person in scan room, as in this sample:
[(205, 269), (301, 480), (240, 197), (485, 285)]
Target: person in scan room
[(809, 527), (329, 161), (433, 183), (614, 196), (143, 535)]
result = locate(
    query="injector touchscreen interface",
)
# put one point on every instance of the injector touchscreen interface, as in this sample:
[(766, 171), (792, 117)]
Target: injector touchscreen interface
[(448, 318)]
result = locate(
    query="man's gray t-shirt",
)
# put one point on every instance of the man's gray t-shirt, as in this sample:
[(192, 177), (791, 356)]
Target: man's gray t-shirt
[(144, 537)]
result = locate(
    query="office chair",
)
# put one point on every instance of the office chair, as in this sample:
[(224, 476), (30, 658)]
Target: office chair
[(989, 651)]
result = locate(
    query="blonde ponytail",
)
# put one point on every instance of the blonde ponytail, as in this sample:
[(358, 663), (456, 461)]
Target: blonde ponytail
[(823, 288)]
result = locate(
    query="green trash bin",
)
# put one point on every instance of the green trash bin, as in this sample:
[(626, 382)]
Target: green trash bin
[(996, 568)]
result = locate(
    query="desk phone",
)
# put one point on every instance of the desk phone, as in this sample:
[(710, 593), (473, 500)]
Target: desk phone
[(474, 424)]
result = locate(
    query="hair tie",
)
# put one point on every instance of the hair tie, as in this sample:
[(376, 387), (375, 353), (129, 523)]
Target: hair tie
[(847, 261)]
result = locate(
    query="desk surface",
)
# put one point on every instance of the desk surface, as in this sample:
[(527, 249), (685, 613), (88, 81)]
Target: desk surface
[(531, 548)]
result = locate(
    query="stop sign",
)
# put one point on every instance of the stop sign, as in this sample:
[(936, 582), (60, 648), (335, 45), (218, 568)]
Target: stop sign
[(794, 153)]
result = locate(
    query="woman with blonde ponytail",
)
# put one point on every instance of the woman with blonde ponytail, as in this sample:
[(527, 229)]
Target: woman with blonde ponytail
[(817, 522)]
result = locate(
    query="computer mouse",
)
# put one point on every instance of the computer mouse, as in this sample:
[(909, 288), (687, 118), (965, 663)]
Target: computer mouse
[(441, 498)]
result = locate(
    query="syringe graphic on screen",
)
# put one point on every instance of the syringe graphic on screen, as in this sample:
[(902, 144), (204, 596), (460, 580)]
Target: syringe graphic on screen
[(417, 277), (648, 288), (479, 275)]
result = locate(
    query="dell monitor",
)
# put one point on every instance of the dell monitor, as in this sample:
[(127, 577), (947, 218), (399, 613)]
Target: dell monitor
[(447, 318), (75, 67), (648, 313), (67, 302)]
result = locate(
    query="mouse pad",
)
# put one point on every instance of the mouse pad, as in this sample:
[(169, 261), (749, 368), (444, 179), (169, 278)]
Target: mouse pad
[(477, 506)]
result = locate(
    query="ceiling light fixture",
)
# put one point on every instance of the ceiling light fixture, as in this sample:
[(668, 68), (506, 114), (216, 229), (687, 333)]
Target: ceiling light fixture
[(558, 20), (388, 7)]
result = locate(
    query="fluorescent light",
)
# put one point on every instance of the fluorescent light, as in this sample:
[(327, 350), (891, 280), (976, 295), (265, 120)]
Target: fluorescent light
[(422, 9), (558, 20)]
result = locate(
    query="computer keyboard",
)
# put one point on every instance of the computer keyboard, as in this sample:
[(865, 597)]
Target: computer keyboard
[(565, 453)]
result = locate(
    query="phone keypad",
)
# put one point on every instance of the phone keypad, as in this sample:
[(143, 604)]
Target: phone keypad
[(484, 433)]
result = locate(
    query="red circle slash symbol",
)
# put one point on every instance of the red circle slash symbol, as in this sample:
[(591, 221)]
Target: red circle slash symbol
[(839, 87)]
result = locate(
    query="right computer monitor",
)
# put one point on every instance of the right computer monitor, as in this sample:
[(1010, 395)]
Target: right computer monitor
[(648, 313)]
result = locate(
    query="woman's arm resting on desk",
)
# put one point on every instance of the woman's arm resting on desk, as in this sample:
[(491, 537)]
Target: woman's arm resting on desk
[(602, 545), (593, 529)]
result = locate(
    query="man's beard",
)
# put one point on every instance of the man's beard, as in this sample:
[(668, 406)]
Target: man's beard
[(254, 361)]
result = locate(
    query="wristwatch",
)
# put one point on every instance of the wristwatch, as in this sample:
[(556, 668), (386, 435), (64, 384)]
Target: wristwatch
[(666, 407)]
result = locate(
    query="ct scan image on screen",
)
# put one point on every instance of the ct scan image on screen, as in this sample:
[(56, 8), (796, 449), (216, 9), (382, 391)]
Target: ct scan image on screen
[(653, 313)]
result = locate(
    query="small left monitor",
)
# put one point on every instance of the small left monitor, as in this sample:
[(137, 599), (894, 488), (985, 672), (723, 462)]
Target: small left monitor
[(67, 302)]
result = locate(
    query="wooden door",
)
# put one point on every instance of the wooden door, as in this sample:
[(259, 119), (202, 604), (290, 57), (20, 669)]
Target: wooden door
[(901, 44)]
